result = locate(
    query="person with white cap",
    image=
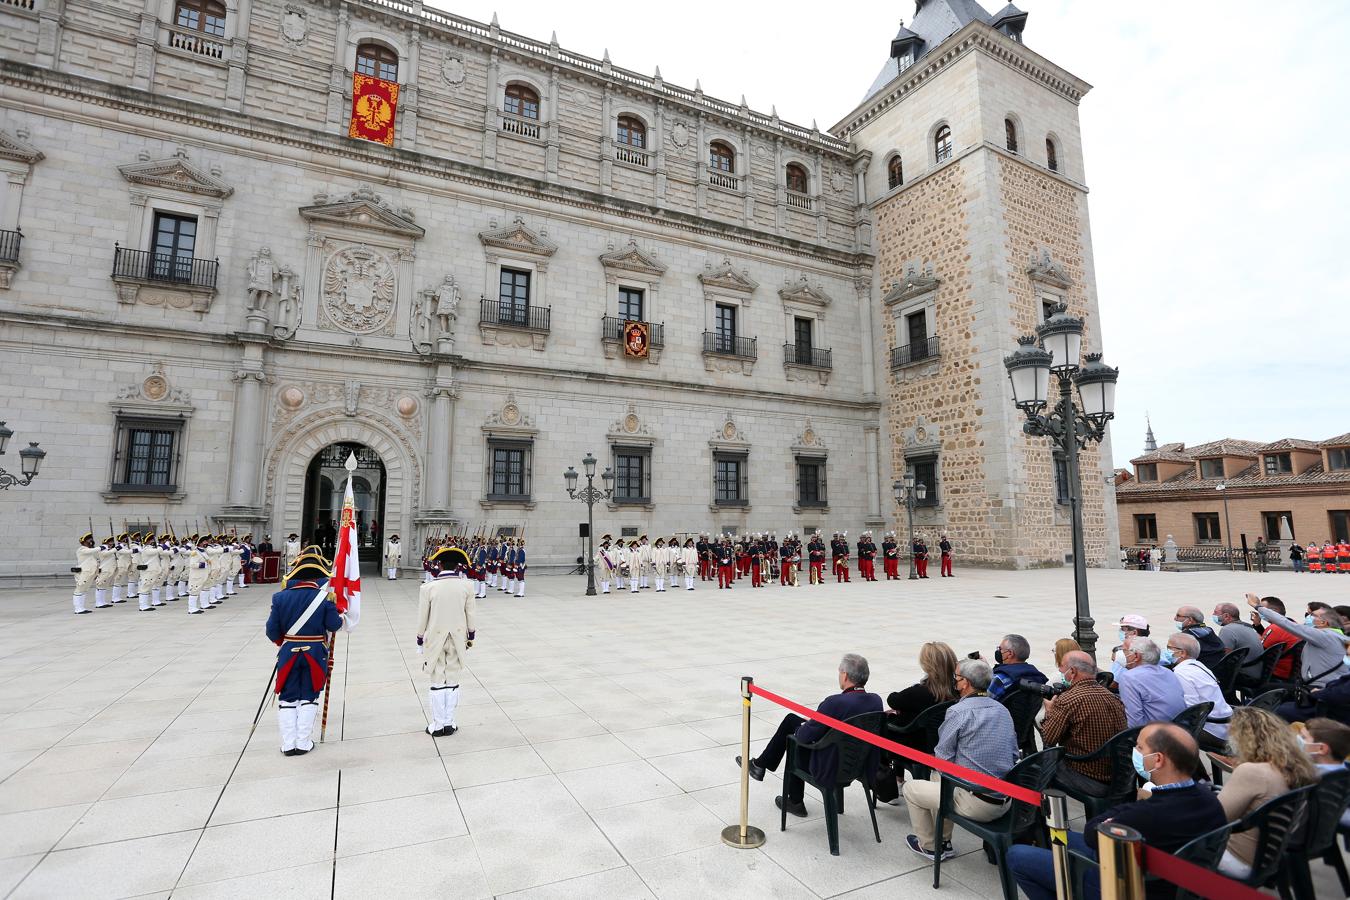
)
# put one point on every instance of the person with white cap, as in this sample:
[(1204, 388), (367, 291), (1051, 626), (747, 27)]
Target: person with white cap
[(1129, 625)]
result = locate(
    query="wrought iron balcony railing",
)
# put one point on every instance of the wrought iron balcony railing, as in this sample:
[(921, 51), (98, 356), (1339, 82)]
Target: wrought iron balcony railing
[(806, 355), (728, 345), (165, 268), (914, 352), (514, 315), (613, 331), (9, 245)]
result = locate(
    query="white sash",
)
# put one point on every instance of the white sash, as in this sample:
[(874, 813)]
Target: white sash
[(319, 597)]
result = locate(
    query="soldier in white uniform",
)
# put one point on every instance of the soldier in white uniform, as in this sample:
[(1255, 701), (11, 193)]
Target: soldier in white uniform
[(184, 548), (85, 569), (290, 551), (644, 568), (635, 575), (622, 566), (107, 569), (134, 571), (606, 564), (393, 556), (233, 564), (121, 567), (198, 572), (689, 556), (168, 557), (445, 630), (660, 562), (147, 584), (215, 567)]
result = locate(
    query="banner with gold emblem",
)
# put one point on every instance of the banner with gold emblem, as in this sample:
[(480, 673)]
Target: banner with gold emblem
[(374, 103), (636, 339)]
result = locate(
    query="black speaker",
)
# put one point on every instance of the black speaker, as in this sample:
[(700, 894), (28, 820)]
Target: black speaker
[(584, 529)]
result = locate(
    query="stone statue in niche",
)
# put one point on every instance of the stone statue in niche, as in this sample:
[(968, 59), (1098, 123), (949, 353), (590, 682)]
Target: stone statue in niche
[(288, 306), (447, 306), (422, 320), (262, 277)]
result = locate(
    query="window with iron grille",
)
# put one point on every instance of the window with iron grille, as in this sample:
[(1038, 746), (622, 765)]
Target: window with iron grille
[(730, 479), (206, 16), (1061, 479), (510, 470), (632, 475), (377, 61), (801, 334), (811, 482), (175, 238), (522, 101), (895, 172), (1146, 527), (147, 455), (925, 473), (1340, 524), (1207, 528), (630, 304), (1051, 155), (942, 144), (514, 295), (1010, 134), (726, 328)]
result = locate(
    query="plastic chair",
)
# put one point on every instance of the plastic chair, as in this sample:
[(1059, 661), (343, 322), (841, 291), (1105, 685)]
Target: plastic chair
[(1226, 672), (1034, 773), (1024, 706), (1329, 799), (855, 764), (1248, 687), (1277, 822), (922, 734), (1270, 700), (1193, 718), (1107, 680), (1124, 781)]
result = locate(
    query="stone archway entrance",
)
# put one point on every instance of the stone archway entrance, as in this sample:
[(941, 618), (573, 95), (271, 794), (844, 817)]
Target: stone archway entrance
[(325, 482)]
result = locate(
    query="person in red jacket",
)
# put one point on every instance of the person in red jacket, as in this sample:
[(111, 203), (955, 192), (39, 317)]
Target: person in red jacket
[(1274, 634)]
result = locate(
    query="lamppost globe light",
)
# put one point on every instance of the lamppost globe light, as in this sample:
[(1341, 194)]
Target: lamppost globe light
[(909, 479), (30, 459), (588, 462), (5, 435), (1029, 371), (922, 491), (898, 489), (1062, 337), (570, 476), (1097, 388), (607, 477)]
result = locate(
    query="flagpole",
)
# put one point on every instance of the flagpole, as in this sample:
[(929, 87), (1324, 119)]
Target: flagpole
[(345, 534)]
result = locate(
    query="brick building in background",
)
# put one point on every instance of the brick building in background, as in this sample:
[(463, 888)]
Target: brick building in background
[(1176, 490), (211, 292)]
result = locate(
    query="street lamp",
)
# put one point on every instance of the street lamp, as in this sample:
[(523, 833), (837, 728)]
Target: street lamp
[(590, 495), (1222, 488), (905, 495), (30, 460), (1055, 348)]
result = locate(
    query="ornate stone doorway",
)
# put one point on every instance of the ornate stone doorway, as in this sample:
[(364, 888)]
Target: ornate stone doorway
[(325, 482)]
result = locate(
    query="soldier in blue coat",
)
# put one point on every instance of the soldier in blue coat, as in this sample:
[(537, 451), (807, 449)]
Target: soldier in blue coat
[(520, 567), (303, 615), (480, 565), (852, 700)]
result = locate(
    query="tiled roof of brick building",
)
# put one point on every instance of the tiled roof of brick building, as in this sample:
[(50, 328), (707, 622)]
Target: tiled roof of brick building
[(1338, 441), (1224, 447), (1166, 453), (1289, 444)]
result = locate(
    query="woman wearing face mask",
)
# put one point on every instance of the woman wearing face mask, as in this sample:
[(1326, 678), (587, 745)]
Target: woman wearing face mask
[(1270, 763)]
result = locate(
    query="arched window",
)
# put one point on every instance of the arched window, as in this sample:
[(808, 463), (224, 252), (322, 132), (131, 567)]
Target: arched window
[(1010, 133), (206, 16), (377, 61), (721, 158), (1051, 156), (895, 173), (796, 178), (632, 132), (521, 100), (942, 144)]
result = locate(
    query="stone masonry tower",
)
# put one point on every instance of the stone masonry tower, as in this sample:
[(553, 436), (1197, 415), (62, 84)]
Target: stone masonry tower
[(974, 184)]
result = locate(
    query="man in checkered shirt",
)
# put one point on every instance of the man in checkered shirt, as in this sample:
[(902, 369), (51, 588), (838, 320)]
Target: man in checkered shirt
[(1082, 719)]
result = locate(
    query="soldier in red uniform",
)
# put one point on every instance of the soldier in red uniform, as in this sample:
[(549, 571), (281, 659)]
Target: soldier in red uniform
[(726, 563)]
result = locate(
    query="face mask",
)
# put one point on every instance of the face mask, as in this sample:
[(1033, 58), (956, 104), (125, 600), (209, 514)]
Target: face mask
[(1180, 625), (1168, 657), (1310, 621), (1063, 679), (1216, 620), (1120, 636), (1138, 759), (998, 656)]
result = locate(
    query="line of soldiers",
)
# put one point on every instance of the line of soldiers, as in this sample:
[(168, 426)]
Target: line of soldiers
[(157, 570), (641, 564), (1328, 558), (495, 561)]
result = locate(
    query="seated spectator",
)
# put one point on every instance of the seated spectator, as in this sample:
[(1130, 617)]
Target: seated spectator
[(1128, 626), (1198, 686), (1235, 633), (852, 700), (978, 734), (1269, 763), (1011, 666), (1082, 719), (1274, 634), (1150, 692), (1324, 653), (1175, 812), (1328, 744), (1063, 646), (938, 662), (1190, 620)]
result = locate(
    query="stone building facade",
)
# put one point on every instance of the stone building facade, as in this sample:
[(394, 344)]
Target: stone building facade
[(1292, 489), (206, 284)]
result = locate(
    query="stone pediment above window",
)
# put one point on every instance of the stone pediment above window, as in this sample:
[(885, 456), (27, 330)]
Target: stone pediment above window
[(801, 292), (518, 238), (631, 430), (1044, 268), (363, 209), (632, 259), (915, 283), (727, 278), (809, 442), (509, 421), (176, 174), (17, 149), (729, 438)]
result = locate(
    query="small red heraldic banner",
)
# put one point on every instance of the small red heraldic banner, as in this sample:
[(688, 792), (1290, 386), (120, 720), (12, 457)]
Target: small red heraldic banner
[(635, 339), (374, 103)]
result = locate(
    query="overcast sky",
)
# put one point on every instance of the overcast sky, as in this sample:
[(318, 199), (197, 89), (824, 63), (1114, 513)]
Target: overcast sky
[(1215, 141)]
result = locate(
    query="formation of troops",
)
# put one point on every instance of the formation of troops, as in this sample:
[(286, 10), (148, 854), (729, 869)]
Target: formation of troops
[(155, 570), (494, 561)]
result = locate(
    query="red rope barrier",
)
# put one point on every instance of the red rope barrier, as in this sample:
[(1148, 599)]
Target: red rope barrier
[(1196, 879), (1026, 795)]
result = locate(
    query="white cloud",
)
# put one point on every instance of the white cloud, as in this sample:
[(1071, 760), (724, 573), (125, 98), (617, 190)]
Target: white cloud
[(1215, 151)]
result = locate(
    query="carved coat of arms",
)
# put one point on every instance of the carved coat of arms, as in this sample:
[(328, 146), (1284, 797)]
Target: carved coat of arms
[(358, 289)]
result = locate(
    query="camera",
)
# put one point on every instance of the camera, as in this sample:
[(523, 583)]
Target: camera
[(1045, 690)]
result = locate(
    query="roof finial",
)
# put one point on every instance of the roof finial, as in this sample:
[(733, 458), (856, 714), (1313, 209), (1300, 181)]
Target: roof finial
[(1150, 443)]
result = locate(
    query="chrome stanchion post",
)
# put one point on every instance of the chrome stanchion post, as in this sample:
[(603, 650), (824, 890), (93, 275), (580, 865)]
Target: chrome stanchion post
[(1122, 878), (1056, 806), (744, 836)]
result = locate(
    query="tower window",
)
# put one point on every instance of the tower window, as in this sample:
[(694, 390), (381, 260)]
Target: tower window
[(632, 132), (721, 158), (895, 173), (1010, 134), (377, 61), (796, 178), (942, 144), (522, 101), (1051, 156)]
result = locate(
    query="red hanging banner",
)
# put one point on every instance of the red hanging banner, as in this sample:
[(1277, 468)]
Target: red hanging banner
[(374, 104)]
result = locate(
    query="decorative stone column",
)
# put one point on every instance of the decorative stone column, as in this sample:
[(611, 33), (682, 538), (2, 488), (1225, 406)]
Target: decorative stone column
[(436, 516), (243, 511), (872, 440)]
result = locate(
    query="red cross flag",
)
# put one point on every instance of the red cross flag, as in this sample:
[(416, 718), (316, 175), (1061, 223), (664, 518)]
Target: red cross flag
[(346, 583)]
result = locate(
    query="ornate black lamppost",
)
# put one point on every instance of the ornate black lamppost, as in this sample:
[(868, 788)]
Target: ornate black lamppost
[(1070, 428), (590, 495), (30, 460), (906, 494)]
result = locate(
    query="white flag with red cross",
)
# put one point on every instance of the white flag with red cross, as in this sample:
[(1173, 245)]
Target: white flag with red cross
[(346, 583)]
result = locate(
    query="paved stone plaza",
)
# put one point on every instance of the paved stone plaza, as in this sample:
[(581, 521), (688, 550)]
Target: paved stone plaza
[(595, 756)]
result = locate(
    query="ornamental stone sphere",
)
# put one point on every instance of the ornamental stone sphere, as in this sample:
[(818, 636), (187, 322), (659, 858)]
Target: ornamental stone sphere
[(292, 397), (406, 406)]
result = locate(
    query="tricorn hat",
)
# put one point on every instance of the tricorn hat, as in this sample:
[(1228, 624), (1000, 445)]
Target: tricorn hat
[(450, 558), (292, 536), (87, 536), (309, 567)]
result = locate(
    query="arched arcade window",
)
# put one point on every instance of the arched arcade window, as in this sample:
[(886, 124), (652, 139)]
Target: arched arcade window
[(1010, 134), (521, 100), (942, 144), (895, 172), (377, 61), (632, 131), (1051, 155), (796, 178), (206, 16), (721, 158)]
